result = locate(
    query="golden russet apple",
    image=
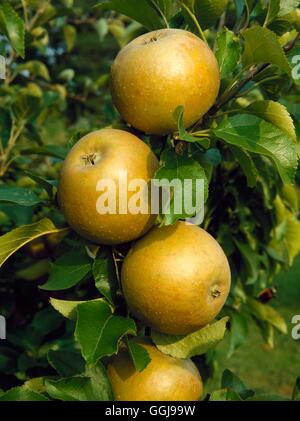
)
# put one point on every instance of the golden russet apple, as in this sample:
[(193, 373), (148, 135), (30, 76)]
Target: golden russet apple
[(105, 154), (176, 278), (164, 379), (157, 72)]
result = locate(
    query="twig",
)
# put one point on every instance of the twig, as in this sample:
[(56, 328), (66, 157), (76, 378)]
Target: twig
[(236, 88), (38, 13), (253, 72), (25, 12), (255, 85), (11, 143)]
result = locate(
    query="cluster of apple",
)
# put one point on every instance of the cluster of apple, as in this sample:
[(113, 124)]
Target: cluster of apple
[(175, 279)]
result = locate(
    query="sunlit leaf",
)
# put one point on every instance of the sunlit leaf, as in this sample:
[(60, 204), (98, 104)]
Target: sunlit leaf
[(15, 239), (195, 343)]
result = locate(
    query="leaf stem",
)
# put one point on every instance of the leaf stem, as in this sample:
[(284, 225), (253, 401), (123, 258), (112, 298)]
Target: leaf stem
[(161, 13), (233, 84), (267, 15), (195, 21)]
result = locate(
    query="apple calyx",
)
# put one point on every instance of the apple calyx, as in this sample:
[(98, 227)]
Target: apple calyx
[(91, 159), (215, 292)]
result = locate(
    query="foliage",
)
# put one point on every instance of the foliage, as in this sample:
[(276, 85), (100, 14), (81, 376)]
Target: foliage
[(55, 284)]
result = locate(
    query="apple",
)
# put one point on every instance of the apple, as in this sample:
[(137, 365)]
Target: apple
[(164, 379), (176, 278), (157, 72), (106, 155)]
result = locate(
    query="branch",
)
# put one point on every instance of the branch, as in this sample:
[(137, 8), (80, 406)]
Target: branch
[(250, 75), (254, 71)]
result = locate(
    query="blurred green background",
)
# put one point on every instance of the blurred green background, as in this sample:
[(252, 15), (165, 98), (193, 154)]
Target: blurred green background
[(260, 367)]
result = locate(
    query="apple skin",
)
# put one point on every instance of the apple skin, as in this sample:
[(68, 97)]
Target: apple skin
[(164, 379), (115, 151), (186, 281), (157, 72)]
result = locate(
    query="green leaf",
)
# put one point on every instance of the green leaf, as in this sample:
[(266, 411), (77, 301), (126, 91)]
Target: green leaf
[(101, 26), (296, 391), (36, 384), (45, 321), (18, 195), (267, 332), (233, 382), (267, 397), (42, 182), (14, 26), (209, 11), (195, 343), (104, 272), (251, 261), (247, 164), (260, 137), (68, 308), (286, 236), (68, 3), (98, 331), (93, 386), (266, 313), (45, 15), (238, 330), (287, 6), (36, 68), (262, 46), (168, 8), (22, 394), (68, 270), (26, 106), (66, 363), (34, 271), (224, 395), (274, 113), (139, 355), (273, 10), (140, 10), (15, 239), (74, 139), (5, 126), (181, 168), (70, 33), (227, 52), (48, 150), (178, 115)]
